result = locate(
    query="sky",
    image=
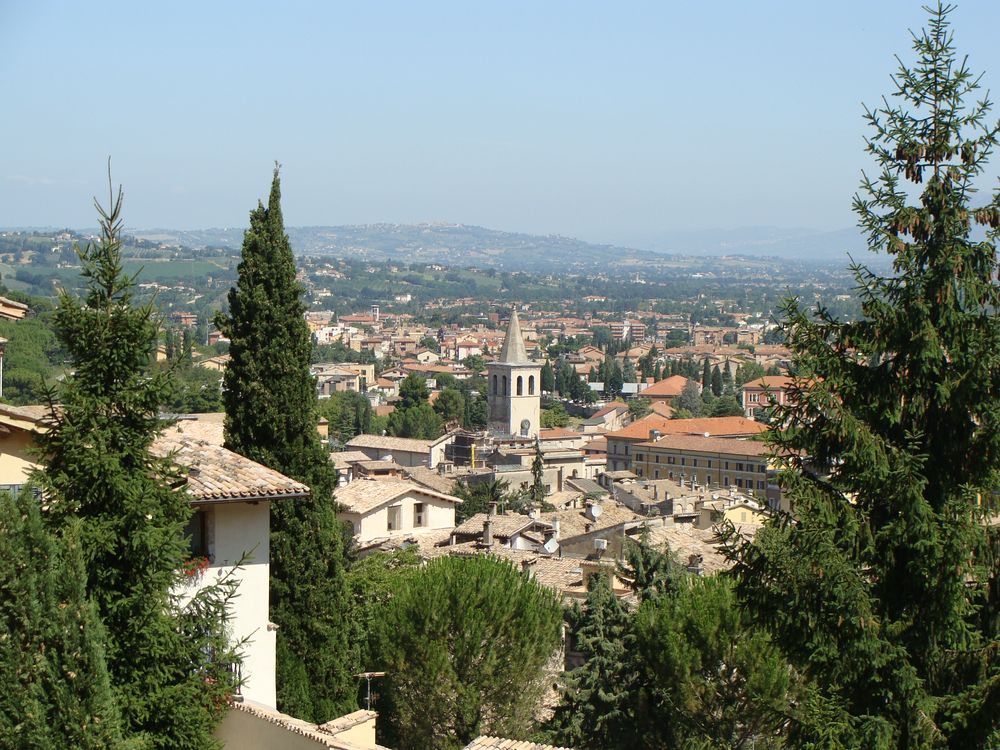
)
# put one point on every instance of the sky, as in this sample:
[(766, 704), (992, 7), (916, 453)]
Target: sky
[(610, 122)]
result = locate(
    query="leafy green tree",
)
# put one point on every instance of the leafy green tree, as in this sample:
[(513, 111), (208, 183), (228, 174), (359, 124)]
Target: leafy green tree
[(56, 688), (639, 408), (464, 647), (884, 589), (596, 710), (450, 404), (707, 679), (554, 416), (420, 422), (412, 391), (690, 399), (748, 371), (169, 664), (476, 414), (475, 363), (271, 418), (726, 406)]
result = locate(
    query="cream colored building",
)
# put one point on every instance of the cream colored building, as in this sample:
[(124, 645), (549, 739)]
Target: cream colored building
[(231, 497), (381, 509), (514, 388)]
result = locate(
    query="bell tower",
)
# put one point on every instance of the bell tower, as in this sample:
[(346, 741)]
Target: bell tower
[(514, 387)]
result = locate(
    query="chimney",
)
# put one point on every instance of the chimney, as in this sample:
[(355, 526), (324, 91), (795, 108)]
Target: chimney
[(695, 564), (488, 532), (527, 565), (555, 528)]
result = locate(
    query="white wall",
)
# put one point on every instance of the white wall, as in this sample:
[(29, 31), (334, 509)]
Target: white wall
[(438, 514), (232, 530)]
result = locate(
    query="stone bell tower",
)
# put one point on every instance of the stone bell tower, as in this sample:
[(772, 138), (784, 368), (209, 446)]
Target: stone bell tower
[(514, 387)]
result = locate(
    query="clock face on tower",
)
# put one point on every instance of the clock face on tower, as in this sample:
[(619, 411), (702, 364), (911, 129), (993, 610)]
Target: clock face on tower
[(525, 426)]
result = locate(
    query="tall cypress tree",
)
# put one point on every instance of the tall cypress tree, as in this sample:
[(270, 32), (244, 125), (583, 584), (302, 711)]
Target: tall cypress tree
[(884, 586), (168, 663), (271, 417)]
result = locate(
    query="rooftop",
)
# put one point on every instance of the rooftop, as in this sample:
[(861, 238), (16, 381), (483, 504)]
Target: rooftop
[(640, 429), (364, 495), (732, 446), (388, 442)]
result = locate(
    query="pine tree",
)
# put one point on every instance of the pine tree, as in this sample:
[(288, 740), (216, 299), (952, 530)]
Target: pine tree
[(464, 644), (271, 418), (169, 664), (52, 666), (596, 708), (884, 588)]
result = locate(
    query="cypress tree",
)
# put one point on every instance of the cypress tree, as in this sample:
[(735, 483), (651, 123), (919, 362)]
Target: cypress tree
[(56, 688), (271, 417), (706, 375), (547, 378), (716, 381), (537, 482), (169, 664), (884, 586)]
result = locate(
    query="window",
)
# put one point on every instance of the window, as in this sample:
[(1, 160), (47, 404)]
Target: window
[(638, 471), (504, 385), (495, 385), (656, 474), (694, 461), (760, 468), (710, 463), (727, 465), (520, 386), (392, 523), (670, 475), (739, 467), (683, 460), (531, 385), (760, 484), (197, 531), (418, 514), (753, 397), (626, 449), (671, 459), (739, 482), (638, 456), (725, 481)]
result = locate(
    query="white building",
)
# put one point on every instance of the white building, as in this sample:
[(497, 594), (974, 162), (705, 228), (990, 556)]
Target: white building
[(514, 388), (381, 509)]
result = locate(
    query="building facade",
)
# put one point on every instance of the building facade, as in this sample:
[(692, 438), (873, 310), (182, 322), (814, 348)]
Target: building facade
[(514, 388)]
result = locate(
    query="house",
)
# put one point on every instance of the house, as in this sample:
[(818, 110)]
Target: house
[(218, 364), (404, 451), (499, 743), (384, 508), (764, 392), (621, 442), (613, 416), (668, 389), (231, 496), (708, 461), (250, 726), (11, 310), (511, 530)]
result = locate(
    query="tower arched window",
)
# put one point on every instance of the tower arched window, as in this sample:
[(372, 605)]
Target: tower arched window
[(504, 385), (520, 386), (531, 385), (495, 385)]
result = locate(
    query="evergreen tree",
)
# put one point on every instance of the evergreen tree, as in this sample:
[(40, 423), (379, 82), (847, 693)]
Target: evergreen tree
[(547, 378), (56, 688), (412, 392), (690, 399), (706, 375), (884, 589), (450, 404), (706, 678), (748, 371), (648, 571), (628, 371), (728, 387), (464, 644), (596, 710), (169, 665), (537, 466), (716, 381), (271, 418), (613, 385)]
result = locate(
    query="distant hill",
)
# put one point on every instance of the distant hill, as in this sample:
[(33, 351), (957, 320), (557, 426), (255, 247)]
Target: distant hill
[(449, 244), (462, 245)]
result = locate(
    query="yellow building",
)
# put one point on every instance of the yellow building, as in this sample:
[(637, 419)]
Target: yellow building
[(708, 462)]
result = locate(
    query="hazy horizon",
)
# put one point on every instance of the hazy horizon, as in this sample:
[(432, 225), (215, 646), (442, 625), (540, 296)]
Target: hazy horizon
[(624, 126)]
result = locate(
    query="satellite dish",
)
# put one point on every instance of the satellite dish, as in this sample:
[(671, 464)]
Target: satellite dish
[(551, 546), (595, 511), (708, 434)]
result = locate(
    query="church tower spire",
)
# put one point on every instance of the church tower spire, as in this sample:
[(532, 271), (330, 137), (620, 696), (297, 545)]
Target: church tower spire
[(514, 387)]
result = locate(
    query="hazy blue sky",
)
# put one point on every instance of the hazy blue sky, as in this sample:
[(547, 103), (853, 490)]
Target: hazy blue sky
[(606, 121)]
